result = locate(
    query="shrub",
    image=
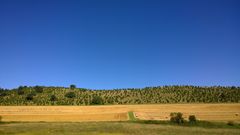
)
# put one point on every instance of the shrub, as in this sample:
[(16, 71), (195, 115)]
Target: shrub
[(176, 117), (30, 96), (192, 119), (20, 92), (70, 95), (230, 123), (97, 100), (82, 89), (3, 94), (38, 89), (53, 98), (20, 88), (72, 86)]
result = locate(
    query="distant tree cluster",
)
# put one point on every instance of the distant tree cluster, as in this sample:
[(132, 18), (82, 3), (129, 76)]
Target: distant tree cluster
[(96, 100), (38, 89), (40, 95), (53, 98), (72, 86), (177, 117), (70, 95)]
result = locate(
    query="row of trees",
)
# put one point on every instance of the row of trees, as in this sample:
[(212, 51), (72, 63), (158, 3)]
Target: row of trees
[(40, 95)]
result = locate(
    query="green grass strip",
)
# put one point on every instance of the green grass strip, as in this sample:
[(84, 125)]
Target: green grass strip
[(131, 116)]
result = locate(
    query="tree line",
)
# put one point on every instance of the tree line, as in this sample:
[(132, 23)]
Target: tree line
[(41, 95)]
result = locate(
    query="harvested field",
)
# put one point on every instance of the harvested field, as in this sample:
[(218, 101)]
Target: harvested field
[(210, 112)]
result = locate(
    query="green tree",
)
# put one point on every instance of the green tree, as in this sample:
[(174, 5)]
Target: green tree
[(3, 94), (20, 90), (38, 89), (192, 119), (70, 95), (176, 117), (30, 96), (72, 86), (97, 100), (53, 98)]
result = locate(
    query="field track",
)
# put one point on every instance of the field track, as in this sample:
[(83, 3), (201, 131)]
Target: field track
[(210, 112)]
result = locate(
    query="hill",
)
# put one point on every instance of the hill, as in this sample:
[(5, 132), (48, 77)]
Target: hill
[(40, 95)]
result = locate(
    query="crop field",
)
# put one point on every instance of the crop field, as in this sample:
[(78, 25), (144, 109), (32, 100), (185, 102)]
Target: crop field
[(209, 112)]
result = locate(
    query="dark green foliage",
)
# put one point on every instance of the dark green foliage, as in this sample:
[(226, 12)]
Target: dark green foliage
[(20, 88), (82, 89), (3, 94), (70, 95), (53, 98), (176, 117), (203, 124), (149, 95), (38, 89), (230, 123), (20, 92), (30, 96), (72, 86), (192, 119), (97, 100)]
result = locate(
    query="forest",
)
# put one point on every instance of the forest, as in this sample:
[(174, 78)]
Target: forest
[(42, 95)]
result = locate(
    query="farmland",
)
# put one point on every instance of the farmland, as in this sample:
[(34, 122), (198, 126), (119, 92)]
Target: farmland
[(108, 128), (209, 112), (63, 111)]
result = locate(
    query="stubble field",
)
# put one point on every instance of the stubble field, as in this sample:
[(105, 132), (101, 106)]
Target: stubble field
[(209, 112)]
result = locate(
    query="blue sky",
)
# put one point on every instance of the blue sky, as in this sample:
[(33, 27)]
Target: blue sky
[(119, 43)]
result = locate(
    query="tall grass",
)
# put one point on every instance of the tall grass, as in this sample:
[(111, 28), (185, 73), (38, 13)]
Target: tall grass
[(109, 128)]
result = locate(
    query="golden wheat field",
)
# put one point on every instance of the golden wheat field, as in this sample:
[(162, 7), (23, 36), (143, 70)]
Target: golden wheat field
[(210, 112)]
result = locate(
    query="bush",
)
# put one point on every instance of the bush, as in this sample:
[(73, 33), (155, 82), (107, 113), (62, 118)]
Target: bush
[(72, 86), (192, 119), (30, 96), (97, 100), (53, 98), (3, 94), (20, 88), (176, 117), (70, 95), (20, 92), (230, 123), (82, 89), (38, 89)]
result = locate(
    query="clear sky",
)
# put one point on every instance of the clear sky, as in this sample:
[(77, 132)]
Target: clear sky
[(103, 44)]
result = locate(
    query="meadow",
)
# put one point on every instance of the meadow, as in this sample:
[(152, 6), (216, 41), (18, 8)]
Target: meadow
[(110, 128)]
